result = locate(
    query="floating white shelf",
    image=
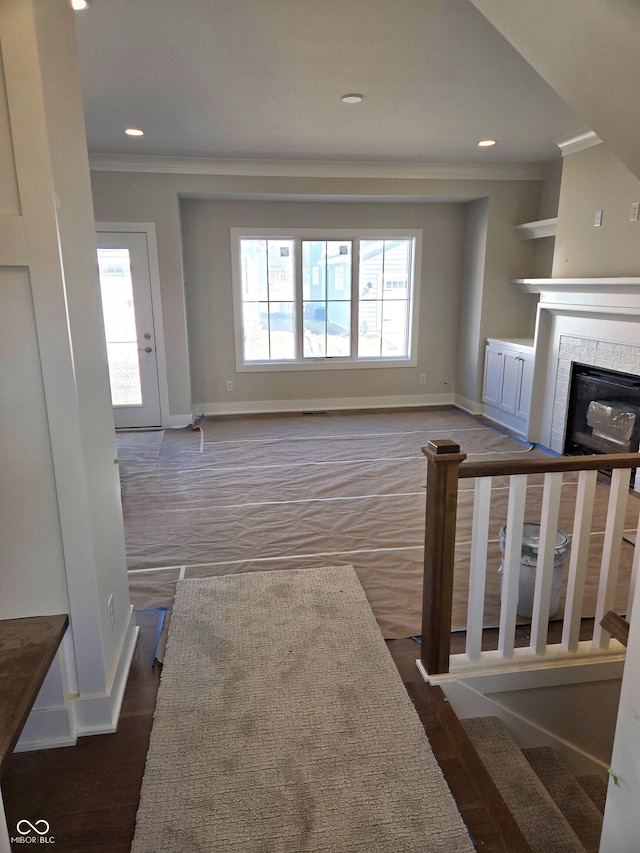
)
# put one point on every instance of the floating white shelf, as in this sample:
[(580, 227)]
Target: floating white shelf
[(618, 284), (535, 230)]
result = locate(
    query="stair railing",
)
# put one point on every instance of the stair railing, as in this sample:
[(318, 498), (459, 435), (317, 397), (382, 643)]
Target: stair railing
[(446, 466)]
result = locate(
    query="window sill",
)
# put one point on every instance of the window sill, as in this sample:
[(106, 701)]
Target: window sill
[(324, 364)]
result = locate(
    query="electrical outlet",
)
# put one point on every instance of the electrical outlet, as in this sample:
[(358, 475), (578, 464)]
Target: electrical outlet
[(635, 207), (423, 378), (229, 385), (112, 615)]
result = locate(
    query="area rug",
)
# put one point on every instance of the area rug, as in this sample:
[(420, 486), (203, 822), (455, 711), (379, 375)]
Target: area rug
[(282, 726)]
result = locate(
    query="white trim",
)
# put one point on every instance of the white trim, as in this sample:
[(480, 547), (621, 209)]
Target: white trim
[(478, 694), (354, 236), (61, 725), (468, 406), (149, 230), (468, 702), (493, 672), (177, 421), (327, 363), (264, 407), (316, 168), (612, 285), (95, 715), (577, 142)]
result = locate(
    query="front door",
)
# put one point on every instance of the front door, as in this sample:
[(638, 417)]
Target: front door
[(125, 285)]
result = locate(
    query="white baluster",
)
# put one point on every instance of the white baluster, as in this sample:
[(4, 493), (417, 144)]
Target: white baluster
[(478, 566), (511, 564), (578, 560), (545, 561), (611, 551)]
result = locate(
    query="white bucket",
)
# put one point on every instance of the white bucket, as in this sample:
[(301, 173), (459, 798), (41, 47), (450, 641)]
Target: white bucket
[(529, 562)]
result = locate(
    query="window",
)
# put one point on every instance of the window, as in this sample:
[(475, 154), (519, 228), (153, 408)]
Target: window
[(313, 300)]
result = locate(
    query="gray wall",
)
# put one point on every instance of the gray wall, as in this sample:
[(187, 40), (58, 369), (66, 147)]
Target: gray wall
[(207, 258), (209, 202), (592, 180)]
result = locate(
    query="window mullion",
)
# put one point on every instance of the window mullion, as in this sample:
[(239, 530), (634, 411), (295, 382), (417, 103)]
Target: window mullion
[(384, 258), (298, 307), (268, 280), (355, 296), (409, 302)]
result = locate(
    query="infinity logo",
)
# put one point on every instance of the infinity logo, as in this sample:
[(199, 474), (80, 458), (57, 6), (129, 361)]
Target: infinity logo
[(40, 827)]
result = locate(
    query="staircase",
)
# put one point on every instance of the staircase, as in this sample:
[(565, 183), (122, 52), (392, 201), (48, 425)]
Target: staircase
[(554, 810)]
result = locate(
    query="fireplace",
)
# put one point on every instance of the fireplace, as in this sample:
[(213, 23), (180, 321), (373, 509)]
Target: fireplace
[(604, 411)]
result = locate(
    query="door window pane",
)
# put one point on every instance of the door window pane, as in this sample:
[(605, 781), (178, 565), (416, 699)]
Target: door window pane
[(120, 326)]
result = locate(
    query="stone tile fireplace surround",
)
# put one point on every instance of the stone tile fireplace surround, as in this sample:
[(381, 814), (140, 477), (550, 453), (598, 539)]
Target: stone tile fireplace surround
[(605, 354)]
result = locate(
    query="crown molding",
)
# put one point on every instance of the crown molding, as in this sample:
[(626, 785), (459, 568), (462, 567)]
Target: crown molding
[(577, 142), (317, 168)]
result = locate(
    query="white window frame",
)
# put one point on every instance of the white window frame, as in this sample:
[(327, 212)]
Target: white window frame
[(326, 362)]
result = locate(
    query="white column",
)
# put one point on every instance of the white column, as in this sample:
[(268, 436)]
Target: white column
[(62, 530)]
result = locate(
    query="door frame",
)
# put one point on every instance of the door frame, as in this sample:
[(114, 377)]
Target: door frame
[(149, 230)]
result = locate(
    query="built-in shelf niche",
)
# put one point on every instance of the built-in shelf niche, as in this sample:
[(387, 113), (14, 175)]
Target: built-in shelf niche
[(538, 229)]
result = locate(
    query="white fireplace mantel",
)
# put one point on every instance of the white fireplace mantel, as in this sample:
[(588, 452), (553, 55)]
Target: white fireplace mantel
[(537, 285), (600, 295)]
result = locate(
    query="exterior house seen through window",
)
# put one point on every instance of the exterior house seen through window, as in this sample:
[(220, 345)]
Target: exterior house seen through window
[(304, 300)]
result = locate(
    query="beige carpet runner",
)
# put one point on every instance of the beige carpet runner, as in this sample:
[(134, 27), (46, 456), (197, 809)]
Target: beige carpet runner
[(282, 726)]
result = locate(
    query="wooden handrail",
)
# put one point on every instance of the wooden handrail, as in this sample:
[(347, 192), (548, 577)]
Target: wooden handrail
[(506, 467)]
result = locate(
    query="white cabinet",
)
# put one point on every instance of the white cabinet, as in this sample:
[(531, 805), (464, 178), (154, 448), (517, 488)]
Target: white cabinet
[(508, 382)]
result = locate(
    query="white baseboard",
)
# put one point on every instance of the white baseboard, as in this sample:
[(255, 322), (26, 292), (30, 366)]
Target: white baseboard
[(177, 421), (501, 418), (469, 406), (61, 725), (97, 715), (323, 404)]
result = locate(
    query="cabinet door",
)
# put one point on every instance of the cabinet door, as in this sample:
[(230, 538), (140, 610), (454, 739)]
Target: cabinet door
[(492, 375), (523, 409), (511, 376)]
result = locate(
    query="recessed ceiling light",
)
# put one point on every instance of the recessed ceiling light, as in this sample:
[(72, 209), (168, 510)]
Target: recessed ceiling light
[(79, 5), (352, 99), (134, 131), (486, 143)]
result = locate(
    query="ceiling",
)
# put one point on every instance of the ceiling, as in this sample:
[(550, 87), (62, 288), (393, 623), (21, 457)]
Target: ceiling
[(263, 79)]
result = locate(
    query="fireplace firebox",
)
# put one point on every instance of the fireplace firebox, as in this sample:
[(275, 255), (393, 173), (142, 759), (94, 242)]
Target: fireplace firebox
[(604, 411)]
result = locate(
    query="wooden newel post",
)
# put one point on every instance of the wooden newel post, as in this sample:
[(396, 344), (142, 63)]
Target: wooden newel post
[(443, 461)]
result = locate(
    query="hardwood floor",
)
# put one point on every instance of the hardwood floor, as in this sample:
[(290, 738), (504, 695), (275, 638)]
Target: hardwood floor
[(89, 793)]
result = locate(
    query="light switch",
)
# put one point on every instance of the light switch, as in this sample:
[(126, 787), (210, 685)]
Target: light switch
[(634, 211), (597, 220)]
